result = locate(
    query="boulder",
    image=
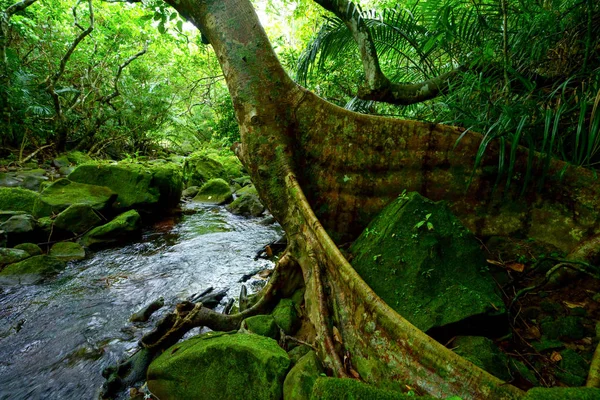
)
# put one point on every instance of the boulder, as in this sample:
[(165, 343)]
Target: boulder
[(67, 251), (17, 199), (215, 191), (10, 256), (61, 161), (31, 270), (64, 192), (8, 180), (5, 215), (427, 266), (220, 366), (31, 248), (137, 186), (123, 228), (247, 203), (199, 168), (263, 325), (19, 224), (77, 218), (484, 353), (286, 316), (337, 389), (299, 381), (190, 192)]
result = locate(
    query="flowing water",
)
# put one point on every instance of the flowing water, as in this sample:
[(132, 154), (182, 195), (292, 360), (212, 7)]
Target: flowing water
[(57, 336)]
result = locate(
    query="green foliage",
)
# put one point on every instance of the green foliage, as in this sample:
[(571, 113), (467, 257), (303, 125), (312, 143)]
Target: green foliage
[(542, 90), (172, 96)]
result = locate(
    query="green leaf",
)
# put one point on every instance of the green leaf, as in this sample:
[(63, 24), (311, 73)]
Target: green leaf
[(419, 224), (161, 28), (429, 226), (173, 16)]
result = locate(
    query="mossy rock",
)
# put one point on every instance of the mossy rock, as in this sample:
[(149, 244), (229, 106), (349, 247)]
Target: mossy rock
[(190, 192), (77, 218), (137, 186), (286, 316), (6, 215), (77, 157), (296, 353), (220, 366), (572, 368), (215, 191), (569, 327), (351, 389), (263, 325), (123, 228), (419, 258), (67, 251), (31, 270), (484, 353), (580, 393), (19, 224), (299, 381), (10, 256), (247, 203), (31, 248), (17, 199), (63, 193), (199, 168)]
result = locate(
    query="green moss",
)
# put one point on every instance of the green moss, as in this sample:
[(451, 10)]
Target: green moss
[(77, 218), (63, 193), (220, 366), (9, 256), (17, 199), (484, 353), (77, 157), (215, 191), (582, 393), (67, 251), (569, 327), (199, 168), (31, 248), (298, 352), (263, 325), (573, 368), (299, 381), (351, 389), (31, 270), (137, 186), (247, 203), (419, 258), (286, 316), (123, 228)]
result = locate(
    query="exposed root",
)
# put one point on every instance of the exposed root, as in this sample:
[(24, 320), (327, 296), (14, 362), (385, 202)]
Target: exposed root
[(593, 379)]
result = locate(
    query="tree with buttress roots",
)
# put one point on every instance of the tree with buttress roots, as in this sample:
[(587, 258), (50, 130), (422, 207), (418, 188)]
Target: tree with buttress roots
[(324, 172)]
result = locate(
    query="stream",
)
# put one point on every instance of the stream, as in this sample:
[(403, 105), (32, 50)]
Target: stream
[(57, 337)]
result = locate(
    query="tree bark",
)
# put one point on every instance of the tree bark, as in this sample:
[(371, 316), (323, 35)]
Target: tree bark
[(324, 172)]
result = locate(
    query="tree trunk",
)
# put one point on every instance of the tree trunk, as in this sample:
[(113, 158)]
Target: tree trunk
[(305, 154)]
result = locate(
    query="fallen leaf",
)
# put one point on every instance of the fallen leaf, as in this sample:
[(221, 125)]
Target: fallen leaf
[(268, 251), (555, 356), (571, 304), (516, 267), (336, 335), (494, 262)]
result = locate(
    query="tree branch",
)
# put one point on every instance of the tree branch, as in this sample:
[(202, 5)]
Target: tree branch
[(115, 93), (377, 86)]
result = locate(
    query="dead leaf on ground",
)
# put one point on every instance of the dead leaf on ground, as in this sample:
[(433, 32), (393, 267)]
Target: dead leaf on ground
[(574, 304), (555, 356), (516, 267), (354, 374), (494, 262)]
